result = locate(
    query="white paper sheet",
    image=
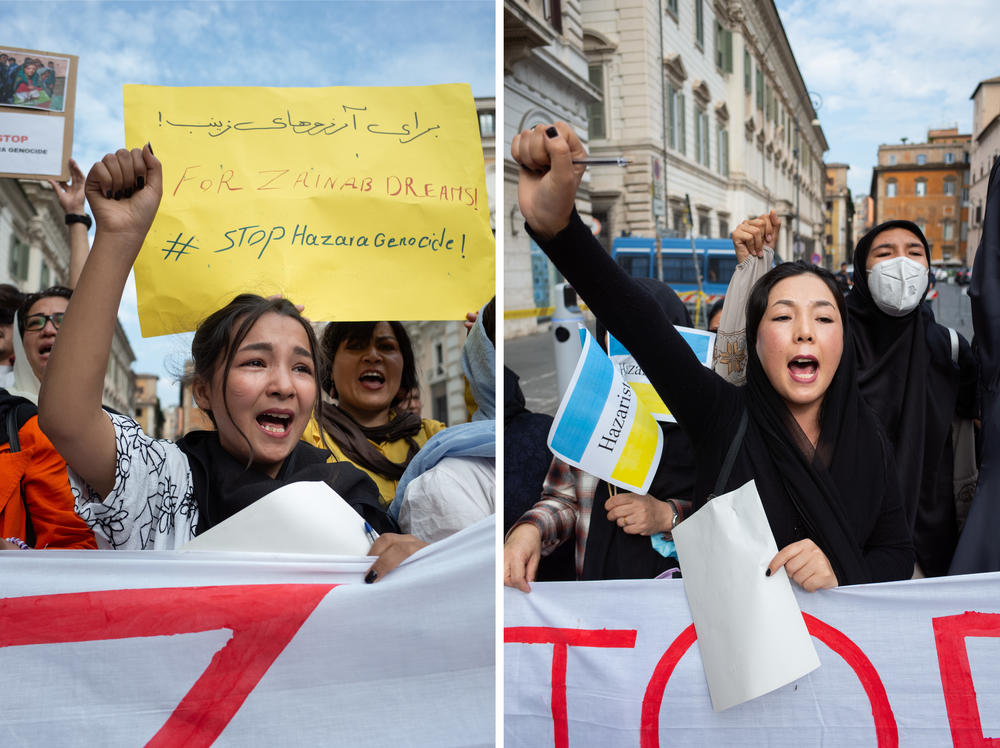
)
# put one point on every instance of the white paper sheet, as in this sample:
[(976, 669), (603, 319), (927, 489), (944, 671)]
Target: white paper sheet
[(750, 629), (303, 517)]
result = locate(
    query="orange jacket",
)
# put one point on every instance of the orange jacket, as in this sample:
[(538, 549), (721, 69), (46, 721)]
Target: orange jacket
[(42, 472)]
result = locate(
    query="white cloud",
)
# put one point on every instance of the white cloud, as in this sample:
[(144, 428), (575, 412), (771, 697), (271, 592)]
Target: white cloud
[(890, 69)]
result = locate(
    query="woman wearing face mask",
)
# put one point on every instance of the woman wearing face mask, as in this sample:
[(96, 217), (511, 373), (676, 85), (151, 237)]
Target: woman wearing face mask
[(821, 464), (905, 371)]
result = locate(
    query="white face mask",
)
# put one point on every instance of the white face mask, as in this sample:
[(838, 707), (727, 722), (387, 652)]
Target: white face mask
[(897, 285)]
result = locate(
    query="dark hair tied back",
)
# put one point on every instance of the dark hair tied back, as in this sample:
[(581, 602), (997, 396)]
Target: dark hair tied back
[(360, 333), (220, 335)]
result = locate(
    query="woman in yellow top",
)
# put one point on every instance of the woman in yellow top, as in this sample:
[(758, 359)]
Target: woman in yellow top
[(370, 364)]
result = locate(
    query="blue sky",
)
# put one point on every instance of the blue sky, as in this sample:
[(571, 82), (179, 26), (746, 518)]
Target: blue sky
[(890, 69), (244, 44)]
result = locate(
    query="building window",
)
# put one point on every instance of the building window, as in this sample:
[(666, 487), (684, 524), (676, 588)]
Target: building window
[(949, 187), (747, 75), (723, 228), (892, 159), (760, 87), (947, 230), (672, 7), (675, 117), (723, 155), (723, 48), (964, 231), (439, 402), (487, 123), (45, 276), (979, 215), (699, 23), (965, 196), (18, 259), (679, 226), (890, 188), (949, 158), (921, 188), (921, 159), (704, 225), (701, 151), (595, 109), (553, 13)]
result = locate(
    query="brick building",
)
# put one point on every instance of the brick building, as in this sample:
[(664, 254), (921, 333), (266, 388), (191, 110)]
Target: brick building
[(927, 183)]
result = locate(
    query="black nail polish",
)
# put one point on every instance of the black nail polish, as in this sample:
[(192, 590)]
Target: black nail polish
[(118, 195), (140, 182), (551, 132), (108, 194), (150, 147), (371, 576), (128, 192), (767, 572)]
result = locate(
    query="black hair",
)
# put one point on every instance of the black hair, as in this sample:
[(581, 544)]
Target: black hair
[(489, 320), (715, 309), (757, 303), (359, 333), (220, 335), (10, 300), (32, 298)]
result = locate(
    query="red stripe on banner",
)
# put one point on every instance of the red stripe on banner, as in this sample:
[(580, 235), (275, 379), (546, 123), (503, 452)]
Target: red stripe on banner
[(571, 637), (956, 675), (563, 639), (560, 716), (886, 730), (263, 619), (649, 727)]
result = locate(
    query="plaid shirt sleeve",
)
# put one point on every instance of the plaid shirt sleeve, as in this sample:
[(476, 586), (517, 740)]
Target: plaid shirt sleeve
[(555, 513)]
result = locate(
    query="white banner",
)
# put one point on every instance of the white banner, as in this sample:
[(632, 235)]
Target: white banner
[(616, 663), (118, 648)]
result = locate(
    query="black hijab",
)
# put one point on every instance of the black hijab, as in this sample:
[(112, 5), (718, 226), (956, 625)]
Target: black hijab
[(223, 485), (906, 374), (611, 552), (835, 488)]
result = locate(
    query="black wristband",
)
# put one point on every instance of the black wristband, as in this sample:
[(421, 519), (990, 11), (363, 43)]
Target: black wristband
[(78, 218)]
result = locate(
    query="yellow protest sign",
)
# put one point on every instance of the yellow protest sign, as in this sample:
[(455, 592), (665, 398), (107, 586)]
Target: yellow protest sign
[(360, 203)]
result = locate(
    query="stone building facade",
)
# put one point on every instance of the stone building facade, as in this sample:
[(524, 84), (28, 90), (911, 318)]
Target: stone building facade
[(839, 239), (984, 151), (704, 97), (148, 412), (34, 255), (545, 79), (927, 183)]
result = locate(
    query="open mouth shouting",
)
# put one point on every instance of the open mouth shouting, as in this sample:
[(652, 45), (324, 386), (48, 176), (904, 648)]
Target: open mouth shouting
[(372, 379), (804, 369), (275, 422)]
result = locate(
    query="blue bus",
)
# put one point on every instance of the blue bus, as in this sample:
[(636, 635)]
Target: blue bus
[(716, 259)]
